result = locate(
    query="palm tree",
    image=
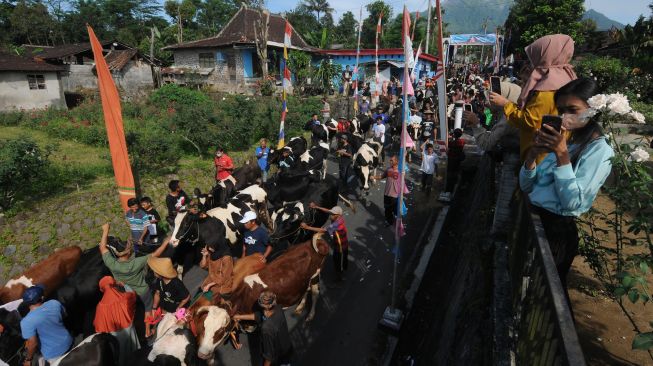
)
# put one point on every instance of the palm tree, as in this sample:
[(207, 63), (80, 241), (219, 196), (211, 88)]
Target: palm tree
[(318, 6)]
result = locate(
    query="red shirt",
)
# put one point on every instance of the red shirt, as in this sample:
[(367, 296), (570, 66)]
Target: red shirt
[(338, 231), (223, 166)]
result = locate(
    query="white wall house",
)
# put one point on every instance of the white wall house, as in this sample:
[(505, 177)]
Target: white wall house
[(28, 84)]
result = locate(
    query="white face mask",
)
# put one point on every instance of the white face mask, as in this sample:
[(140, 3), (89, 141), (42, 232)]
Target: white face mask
[(219, 154), (576, 121)]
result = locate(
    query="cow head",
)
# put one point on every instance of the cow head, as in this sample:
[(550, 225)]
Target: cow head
[(211, 325), (287, 220), (186, 228)]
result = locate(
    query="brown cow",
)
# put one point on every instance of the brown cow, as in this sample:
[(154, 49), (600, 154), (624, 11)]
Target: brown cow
[(50, 272), (210, 324), (245, 267)]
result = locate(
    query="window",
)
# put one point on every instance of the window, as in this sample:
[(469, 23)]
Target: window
[(36, 82), (207, 60), (221, 57)]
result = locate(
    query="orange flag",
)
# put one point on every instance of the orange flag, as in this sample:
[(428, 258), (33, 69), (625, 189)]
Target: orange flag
[(113, 121)]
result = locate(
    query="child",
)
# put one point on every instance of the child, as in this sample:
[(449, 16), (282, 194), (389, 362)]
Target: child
[(154, 218), (338, 232), (137, 221), (429, 166), (169, 292)]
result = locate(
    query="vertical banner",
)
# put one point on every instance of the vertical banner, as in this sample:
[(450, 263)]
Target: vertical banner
[(358, 51), (113, 122), (377, 86), (286, 84), (442, 80)]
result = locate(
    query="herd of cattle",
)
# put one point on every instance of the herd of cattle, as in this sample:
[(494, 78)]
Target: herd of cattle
[(71, 275)]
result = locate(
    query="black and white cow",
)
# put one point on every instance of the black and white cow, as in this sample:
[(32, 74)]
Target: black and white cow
[(296, 145), (366, 159), (315, 159), (100, 349), (361, 125), (242, 177), (174, 345), (252, 198), (10, 337)]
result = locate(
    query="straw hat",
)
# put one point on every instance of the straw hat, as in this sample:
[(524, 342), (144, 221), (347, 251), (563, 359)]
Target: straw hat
[(162, 266)]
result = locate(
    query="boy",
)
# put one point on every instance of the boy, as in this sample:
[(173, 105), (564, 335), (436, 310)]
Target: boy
[(255, 238), (429, 166), (154, 218), (169, 292), (137, 221), (176, 201), (338, 232)]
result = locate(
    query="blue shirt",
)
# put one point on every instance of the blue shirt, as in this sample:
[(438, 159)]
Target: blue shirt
[(138, 222), (46, 322), (384, 117), (256, 241), (262, 156), (565, 190)]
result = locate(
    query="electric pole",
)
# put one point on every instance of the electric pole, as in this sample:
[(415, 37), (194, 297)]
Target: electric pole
[(428, 28)]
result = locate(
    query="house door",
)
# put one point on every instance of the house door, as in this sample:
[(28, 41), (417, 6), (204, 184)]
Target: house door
[(231, 66)]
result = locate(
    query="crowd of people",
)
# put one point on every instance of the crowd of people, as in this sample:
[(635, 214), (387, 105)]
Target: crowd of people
[(561, 168)]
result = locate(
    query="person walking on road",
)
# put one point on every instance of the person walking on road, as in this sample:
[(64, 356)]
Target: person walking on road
[(338, 232), (392, 189), (345, 154)]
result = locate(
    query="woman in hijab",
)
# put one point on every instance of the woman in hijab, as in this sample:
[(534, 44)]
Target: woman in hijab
[(549, 70), (115, 314)]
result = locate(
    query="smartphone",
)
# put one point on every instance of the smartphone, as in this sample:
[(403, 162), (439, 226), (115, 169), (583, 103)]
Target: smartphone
[(468, 107), (553, 121), (495, 84)]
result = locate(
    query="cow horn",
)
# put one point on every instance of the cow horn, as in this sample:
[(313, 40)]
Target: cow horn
[(316, 237)]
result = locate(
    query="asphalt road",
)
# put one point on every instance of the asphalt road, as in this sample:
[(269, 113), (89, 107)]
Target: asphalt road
[(344, 330)]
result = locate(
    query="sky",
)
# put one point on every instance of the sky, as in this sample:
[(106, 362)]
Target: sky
[(623, 11)]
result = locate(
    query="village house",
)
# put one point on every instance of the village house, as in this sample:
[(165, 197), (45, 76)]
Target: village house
[(229, 62), (133, 73), (29, 84)]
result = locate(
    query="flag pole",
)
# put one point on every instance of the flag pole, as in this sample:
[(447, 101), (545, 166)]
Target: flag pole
[(358, 50), (286, 83), (377, 87), (441, 82)]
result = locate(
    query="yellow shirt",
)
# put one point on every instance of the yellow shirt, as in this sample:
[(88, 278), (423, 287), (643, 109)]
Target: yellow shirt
[(529, 119)]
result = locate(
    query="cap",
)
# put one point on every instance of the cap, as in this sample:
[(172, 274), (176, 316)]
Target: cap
[(248, 216), (33, 294), (337, 210), (341, 117)]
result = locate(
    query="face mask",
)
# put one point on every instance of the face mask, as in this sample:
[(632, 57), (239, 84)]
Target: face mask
[(576, 121), (218, 154)]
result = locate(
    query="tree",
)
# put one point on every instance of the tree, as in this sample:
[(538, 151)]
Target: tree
[(345, 31), (261, 28), (368, 34), (318, 6), (306, 24), (213, 15), (31, 23), (529, 20)]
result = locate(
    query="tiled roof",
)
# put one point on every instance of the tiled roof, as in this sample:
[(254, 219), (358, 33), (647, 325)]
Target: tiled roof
[(240, 29), (117, 59), (55, 52), (9, 62)]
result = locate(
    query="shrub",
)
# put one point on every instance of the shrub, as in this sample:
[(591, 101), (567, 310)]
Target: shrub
[(22, 163), (609, 73), (175, 96), (12, 118), (152, 148)]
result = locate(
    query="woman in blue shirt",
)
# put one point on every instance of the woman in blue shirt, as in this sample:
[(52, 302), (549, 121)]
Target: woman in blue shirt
[(262, 153), (564, 185)]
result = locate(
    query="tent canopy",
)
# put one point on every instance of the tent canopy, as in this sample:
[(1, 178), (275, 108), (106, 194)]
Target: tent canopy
[(473, 39)]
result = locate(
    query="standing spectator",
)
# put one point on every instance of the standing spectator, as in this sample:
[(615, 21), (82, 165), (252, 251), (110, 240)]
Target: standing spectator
[(154, 229), (176, 201), (115, 314), (262, 153), (137, 221), (312, 125), (346, 81), (455, 156), (42, 328), (326, 109), (255, 238), (378, 130), (169, 292), (392, 189), (429, 166), (343, 125), (549, 69), (428, 126), (367, 90), (314, 121), (338, 232), (380, 113), (127, 268), (223, 165), (276, 346), (365, 105), (345, 153)]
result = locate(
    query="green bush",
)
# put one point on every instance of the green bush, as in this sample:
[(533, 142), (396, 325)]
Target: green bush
[(152, 148), (174, 96), (22, 163), (610, 73), (12, 118)]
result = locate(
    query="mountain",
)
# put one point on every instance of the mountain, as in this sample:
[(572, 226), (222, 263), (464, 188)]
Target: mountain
[(468, 16), (602, 22)]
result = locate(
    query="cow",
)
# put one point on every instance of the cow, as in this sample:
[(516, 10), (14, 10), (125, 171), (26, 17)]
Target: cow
[(290, 186), (287, 219), (49, 272), (365, 159), (296, 145), (211, 324), (175, 345), (361, 125), (291, 276), (100, 349), (242, 177), (315, 159), (11, 339), (189, 227)]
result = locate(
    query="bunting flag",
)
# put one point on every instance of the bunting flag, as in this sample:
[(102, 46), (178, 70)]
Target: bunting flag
[(441, 80), (113, 122), (409, 60), (439, 70), (358, 51), (414, 74), (286, 84), (377, 85)]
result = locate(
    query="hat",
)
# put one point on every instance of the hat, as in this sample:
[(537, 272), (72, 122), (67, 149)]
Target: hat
[(33, 295), (341, 117), (248, 216), (337, 210), (162, 267)]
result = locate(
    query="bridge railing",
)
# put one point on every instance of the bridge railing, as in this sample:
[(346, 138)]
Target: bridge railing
[(544, 328)]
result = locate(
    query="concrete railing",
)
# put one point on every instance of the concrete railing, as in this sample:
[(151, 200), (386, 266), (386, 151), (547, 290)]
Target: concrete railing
[(544, 331)]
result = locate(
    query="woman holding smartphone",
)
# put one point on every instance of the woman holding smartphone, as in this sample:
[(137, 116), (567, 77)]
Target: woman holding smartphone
[(565, 183), (549, 69)]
